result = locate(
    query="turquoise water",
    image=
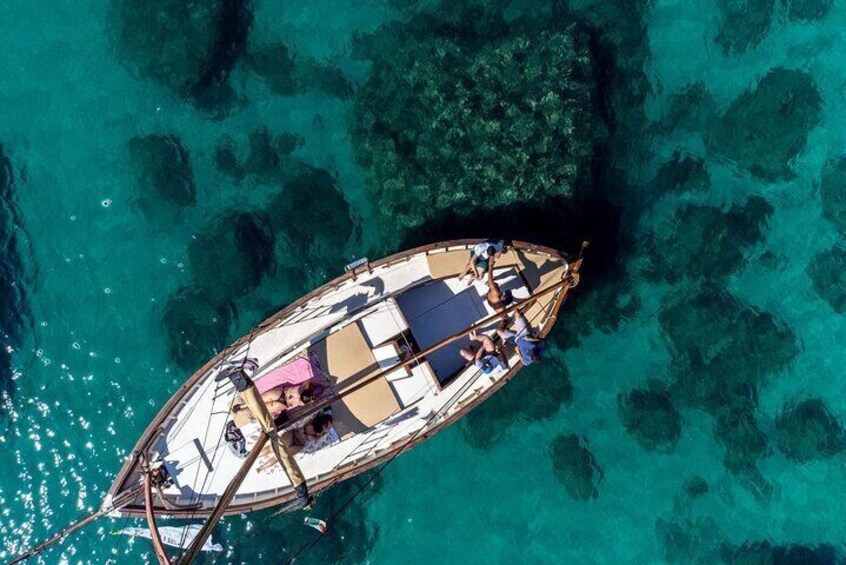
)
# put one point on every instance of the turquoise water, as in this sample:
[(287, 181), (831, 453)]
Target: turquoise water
[(714, 286)]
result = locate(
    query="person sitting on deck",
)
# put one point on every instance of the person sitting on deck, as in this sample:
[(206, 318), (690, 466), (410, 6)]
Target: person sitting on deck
[(482, 256), (529, 346), (483, 356), (295, 440), (496, 298)]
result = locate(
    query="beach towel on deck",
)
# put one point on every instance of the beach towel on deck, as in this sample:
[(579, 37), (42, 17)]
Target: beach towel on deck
[(294, 373)]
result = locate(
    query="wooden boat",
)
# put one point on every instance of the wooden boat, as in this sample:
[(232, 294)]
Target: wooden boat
[(387, 335)]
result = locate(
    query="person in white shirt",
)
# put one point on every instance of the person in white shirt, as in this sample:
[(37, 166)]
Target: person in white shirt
[(482, 257)]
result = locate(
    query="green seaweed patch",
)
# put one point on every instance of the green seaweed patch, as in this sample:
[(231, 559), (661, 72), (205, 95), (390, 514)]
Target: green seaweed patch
[(163, 176), (188, 46), (703, 241), (696, 487), (768, 553), (285, 73), (690, 109), (230, 257), (827, 271), (650, 417), (807, 10), (196, 326), (313, 214), (682, 173), (267, 160), (833, 192), (723, 350), (743, 24), (575, 467), (807, 431), (767, 126), (537, 393), (690, 540), (458, 114)]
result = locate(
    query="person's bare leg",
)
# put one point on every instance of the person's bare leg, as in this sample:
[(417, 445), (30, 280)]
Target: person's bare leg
[(487, 343), (242, 417), (466, 270), (468, 354)]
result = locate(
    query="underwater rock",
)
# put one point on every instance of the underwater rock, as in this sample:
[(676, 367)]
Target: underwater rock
[(689, 540), (230, 257), (744, 23), (766, 553), (536, 393), (312, 214), (651, 418), (696, 486), (807, 10), (691, 108), (15, 276), (703, 241), (722, 351), (164, 178), (287, 74), (827, 270), (833, 192), (575, 467), (458, 114), (196, 326), (267, 160), (767, 126), (808, 431), (683, 173), (189, 46)]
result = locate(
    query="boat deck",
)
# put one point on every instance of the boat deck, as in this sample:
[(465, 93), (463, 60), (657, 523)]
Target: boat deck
[(355, 330)]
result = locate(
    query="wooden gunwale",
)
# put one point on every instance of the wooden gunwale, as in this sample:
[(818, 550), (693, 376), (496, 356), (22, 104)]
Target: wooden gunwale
[(154, 428)]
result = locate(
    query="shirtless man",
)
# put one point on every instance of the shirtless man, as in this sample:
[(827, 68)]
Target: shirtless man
[(496, 298), (484, 356)]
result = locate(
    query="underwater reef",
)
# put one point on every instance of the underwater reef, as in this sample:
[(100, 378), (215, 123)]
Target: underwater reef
[(15, 275), (266, 161), (465, 110), (807, 431), (827, 271), (705, 242), (768, 553), (230, 257), (650, 417), (682, 173), (575, 467), (767, 126), (833, 192), (723, 350), (537, 393), (163, 176), (744, 23), (286, 73), (196, 326), (688, 109), (188, 46)]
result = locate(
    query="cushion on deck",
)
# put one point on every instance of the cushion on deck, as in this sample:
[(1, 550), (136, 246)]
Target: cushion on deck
[(347, 359), (294, 373)]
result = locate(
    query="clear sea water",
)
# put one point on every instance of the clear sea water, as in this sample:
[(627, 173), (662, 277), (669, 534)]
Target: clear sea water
[(88, 279)]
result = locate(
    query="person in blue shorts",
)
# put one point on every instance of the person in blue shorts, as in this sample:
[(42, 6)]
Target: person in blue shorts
[(482, 257), (529, 346)]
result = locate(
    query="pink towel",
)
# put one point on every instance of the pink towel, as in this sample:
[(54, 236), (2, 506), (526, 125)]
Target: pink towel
[(294, 373)]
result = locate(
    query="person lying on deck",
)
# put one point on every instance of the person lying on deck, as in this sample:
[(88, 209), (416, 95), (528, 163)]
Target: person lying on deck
[(496, 298), (294, 440), (529, 346), (482, 256), (279, 400), (484, 356)]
